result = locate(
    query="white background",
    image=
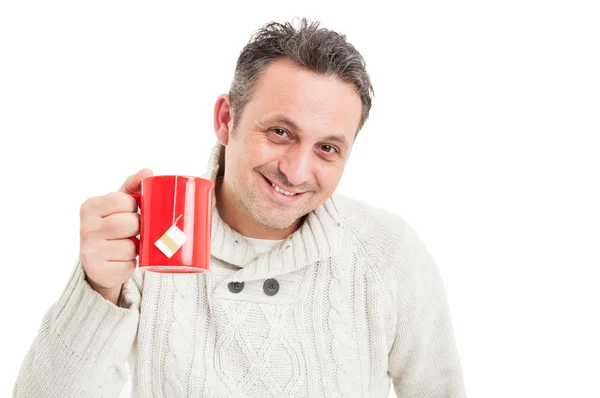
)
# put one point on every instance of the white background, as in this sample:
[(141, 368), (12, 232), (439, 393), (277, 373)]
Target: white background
[(483, 135)]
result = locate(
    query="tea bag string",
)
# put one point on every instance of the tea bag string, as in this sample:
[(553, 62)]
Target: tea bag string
[(174, 202)]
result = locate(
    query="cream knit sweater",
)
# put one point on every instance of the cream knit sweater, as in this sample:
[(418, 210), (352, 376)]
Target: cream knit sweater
[(360, 302)]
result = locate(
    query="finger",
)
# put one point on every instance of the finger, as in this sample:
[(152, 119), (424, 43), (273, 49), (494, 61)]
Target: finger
[(133, 183), (119, 250), (122, 269), (120, 226), (105, 205)]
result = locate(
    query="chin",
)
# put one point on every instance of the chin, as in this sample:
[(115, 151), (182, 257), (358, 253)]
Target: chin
[(274, 223)]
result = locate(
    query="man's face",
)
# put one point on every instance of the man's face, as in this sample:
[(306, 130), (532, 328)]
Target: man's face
[(297, 133)]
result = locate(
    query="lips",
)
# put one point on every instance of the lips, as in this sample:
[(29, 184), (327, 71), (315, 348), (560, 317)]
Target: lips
[(271, 183), (296, 194), (267, 180)]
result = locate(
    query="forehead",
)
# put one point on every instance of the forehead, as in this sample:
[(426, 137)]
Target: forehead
[(318, 104)]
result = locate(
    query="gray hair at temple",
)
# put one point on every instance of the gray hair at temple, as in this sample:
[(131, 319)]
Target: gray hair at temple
[(317, 49)]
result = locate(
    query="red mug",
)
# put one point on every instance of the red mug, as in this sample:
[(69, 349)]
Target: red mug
[(175, 224)]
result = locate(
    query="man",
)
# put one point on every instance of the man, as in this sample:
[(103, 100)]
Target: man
[(310, 293)]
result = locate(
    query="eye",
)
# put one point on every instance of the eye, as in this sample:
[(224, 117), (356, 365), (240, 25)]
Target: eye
[(328, 148), (279, 132)]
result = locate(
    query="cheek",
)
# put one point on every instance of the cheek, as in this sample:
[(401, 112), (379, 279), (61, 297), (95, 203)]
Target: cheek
[(258, 152), (328, 176)]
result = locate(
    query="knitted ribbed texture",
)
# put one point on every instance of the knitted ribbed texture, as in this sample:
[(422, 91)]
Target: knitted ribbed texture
[(338, 324), (178, 337), (360, 303)]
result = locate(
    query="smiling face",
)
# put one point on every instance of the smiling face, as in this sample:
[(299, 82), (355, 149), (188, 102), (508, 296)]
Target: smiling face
[(296, 133)]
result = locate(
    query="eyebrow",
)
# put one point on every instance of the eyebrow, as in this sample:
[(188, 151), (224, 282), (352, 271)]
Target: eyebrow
[(339, 138), (278, 118)]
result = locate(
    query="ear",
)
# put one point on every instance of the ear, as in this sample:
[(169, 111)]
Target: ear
[(223, 118)]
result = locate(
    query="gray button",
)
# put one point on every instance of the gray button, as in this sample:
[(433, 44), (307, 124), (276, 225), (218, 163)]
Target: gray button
[(271, 287), (236, 287)]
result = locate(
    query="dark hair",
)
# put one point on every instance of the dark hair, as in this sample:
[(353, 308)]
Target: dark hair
[(317, 49)]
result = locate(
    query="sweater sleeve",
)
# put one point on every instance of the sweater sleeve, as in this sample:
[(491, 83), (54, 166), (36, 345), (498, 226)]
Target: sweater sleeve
[(82, 344), (423, 360)]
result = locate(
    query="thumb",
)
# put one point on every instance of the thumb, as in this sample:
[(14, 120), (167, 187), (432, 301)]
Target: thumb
[(133, 183)]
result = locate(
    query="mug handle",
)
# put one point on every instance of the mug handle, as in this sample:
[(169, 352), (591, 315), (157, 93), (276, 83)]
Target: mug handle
[(136, 241)]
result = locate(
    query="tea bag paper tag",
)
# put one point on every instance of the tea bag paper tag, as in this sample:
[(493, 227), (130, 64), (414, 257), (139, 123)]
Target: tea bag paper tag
[(171, 241)]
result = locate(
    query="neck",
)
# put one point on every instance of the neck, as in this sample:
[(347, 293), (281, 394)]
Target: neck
[(234, 214)]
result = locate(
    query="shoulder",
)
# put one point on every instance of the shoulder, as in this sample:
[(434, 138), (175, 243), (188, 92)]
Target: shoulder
[(386, 239), (371, 224)]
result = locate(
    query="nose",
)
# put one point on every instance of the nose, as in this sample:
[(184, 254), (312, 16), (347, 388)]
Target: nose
[(296, 165)]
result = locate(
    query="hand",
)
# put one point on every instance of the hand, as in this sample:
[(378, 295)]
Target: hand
[(107, 253)]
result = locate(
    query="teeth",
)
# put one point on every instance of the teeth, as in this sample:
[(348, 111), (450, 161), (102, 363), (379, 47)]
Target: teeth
[(283, 191)]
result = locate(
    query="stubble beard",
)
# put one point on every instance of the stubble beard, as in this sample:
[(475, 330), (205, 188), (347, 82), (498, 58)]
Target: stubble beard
[(276, 220), (281, 218)]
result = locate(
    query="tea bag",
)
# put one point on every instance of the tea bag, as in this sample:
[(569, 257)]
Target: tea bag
[(174, 238), (171, 241)]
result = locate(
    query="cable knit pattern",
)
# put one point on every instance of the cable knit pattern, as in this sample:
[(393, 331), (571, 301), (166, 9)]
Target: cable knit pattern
[(338, 324), (175, 362), (358, 305)]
